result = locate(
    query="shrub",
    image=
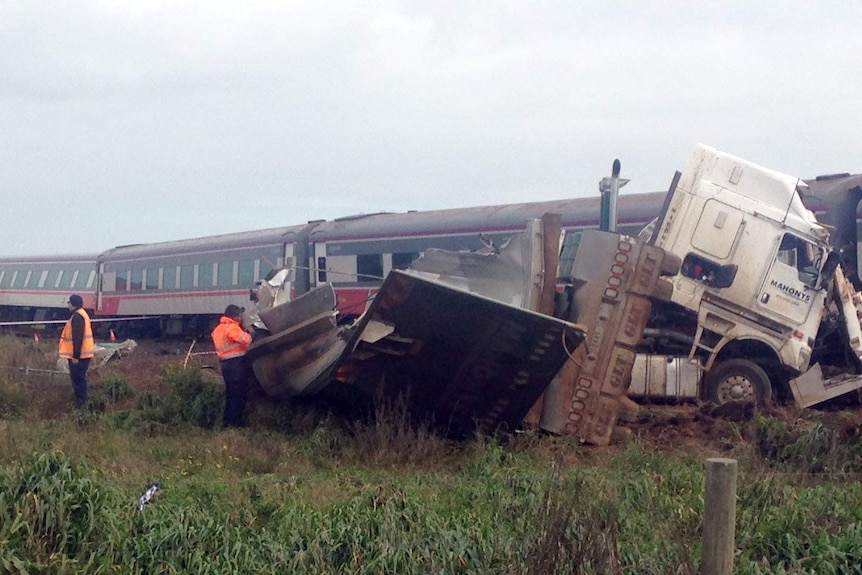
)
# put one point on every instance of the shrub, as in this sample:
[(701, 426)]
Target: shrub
[(115, 387), (189, 399)]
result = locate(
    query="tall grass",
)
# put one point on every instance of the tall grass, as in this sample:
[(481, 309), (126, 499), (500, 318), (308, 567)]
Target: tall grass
[(300, 493)]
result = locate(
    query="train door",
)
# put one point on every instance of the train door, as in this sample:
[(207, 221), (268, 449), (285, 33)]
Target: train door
[(317, 265)]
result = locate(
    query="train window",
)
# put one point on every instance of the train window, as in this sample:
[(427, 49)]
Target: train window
[(246, 273), (137, 279), (51, 280), (187, 276), (66, 279), (3, 277), (205, 275), (74, 282), (14, 281), (151, 278), (122, 280), (321, 269), (403, 260), (225, 273), (369, 268), (169, 277), (265, 267), (27, 278), (43, 275), (91, 278)]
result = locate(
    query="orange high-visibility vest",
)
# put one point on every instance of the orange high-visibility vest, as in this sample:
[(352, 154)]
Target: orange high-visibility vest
[(229, 339), (67, 347)]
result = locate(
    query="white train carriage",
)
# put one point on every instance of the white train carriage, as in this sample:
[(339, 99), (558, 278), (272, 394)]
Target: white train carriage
[(195, 277), (38, 288)]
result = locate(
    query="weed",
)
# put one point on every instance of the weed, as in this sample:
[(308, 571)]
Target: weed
[(392, 437), (813, 449), (115, 387), (188, 399)]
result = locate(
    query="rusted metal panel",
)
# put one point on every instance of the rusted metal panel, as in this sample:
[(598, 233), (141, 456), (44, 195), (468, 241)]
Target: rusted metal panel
[(468, 362), (551, 240), (615, 276)]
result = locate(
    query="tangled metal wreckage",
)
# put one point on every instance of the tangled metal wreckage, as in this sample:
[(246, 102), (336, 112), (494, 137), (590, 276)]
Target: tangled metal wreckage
[(470, 340), (735, 294)]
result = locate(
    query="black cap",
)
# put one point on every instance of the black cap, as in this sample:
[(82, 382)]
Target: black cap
[(76, 301), (233, 311)]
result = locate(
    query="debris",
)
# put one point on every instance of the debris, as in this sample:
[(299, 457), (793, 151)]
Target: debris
[(148, 495)]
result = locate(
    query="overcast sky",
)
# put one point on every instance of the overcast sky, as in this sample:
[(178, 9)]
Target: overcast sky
[(130, 122)]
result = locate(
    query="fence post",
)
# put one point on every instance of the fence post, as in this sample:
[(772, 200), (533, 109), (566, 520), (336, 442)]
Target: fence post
[(719, 517)]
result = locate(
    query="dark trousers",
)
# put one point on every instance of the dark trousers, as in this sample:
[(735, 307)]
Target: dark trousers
[(78, 374), (236, 372)]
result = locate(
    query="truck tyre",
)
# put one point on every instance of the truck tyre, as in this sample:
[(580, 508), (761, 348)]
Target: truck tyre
[(738, 380)]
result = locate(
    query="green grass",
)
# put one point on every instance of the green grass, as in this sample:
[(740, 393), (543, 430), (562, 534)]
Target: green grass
[(299, 492)]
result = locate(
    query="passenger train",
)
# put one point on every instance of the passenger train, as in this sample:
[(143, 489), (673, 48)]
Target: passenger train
[(183, 284)]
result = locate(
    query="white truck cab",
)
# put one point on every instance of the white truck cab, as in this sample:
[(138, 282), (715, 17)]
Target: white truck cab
[(752, 256)]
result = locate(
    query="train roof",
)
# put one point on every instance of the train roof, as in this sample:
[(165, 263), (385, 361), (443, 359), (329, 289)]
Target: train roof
[(54, 259), (205, 244), (576, 212)]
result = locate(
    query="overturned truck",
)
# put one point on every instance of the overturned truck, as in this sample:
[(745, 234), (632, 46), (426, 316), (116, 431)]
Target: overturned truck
[(737, 286)]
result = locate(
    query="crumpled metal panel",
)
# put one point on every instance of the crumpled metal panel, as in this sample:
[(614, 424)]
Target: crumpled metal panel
[(298, 358), (468, 362)]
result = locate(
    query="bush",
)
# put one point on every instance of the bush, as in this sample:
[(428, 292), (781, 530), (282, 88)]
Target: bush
[(189, 399), (115, 387)]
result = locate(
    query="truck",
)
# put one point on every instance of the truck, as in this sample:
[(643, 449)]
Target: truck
[(753, 298)]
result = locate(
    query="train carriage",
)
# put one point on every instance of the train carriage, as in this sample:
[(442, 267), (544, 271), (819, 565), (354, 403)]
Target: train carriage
[(185, 283), (189, 278), (38, 288), (356, 253)]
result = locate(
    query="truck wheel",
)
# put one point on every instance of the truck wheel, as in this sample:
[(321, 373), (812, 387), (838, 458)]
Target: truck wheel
[(738, 380)]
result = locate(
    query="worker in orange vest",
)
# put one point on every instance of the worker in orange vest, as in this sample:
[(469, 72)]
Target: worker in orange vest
[(231, 341), (77, 346)]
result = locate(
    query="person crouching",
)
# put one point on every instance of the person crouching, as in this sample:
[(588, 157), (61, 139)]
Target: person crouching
[(231, 341)]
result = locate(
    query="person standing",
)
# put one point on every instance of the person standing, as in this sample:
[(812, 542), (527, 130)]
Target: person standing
[(77, 346), (231, 341)]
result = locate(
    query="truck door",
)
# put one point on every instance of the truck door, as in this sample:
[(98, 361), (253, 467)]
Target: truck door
[(793, 279)]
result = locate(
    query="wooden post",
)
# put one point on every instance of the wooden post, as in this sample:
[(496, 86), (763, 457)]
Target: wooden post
[(719, 517)]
